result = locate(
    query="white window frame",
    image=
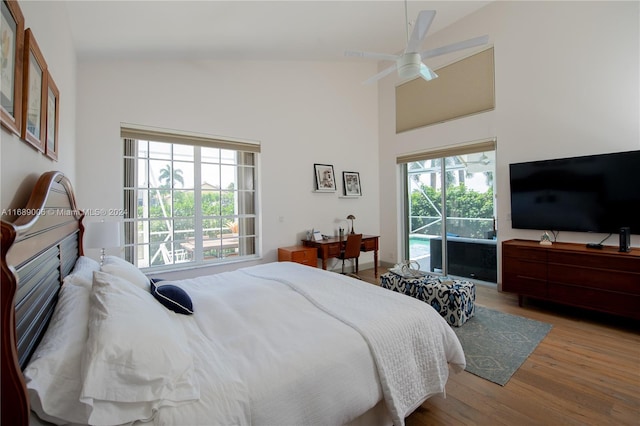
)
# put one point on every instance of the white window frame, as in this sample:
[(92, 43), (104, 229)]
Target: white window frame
[(191, 249)]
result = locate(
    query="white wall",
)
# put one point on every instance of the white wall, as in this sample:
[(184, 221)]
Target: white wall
[(567, 84), (21, 165), (301, 112)]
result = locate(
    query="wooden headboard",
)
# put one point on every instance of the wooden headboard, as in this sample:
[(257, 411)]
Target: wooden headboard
[(39, 249)]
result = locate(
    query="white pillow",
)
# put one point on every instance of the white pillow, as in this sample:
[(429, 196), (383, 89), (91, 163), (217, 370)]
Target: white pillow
[(54, 376), (137, 357), (82, 273), (119, 267)]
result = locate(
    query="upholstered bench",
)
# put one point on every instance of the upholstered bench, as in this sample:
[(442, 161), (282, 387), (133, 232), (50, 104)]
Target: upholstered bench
[(453, 299)]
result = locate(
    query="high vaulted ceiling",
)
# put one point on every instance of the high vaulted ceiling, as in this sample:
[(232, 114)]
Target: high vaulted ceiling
[(279, 30)]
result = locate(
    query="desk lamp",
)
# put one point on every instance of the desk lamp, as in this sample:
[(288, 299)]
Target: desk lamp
[(351, 217), (102, 235)]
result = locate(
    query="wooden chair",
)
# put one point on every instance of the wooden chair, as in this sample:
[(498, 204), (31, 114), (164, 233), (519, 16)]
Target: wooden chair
[(351, 250)]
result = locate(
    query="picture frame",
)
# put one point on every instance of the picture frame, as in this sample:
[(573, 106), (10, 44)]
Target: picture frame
[(325, 178), (351, 184), (34, 93), (11, 66), (53, 117)]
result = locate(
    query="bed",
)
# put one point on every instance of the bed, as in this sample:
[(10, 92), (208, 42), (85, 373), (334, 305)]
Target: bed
[(277, 343)]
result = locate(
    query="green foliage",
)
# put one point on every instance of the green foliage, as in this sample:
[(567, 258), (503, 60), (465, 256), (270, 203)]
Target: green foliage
[(462, 202), (217, 208)]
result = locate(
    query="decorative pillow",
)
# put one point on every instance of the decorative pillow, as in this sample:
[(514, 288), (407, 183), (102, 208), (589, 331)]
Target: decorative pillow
[(82, 273), (137, 357), (172, 297), (119, 267), (53, 376)]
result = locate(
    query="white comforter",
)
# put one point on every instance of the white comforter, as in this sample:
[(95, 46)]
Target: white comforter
[(287, 344)]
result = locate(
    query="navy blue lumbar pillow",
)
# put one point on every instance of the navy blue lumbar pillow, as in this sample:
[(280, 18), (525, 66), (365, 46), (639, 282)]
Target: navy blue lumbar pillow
[(173, 297)]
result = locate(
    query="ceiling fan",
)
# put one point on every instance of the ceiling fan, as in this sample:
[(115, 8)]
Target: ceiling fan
[(409, 64)]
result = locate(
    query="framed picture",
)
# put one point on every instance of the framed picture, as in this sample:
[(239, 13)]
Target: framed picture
[(12, 28), (53, 102), (34, 95), (325, 178), (351, 181)]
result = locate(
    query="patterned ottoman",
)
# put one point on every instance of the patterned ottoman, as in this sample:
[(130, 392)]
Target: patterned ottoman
[(455, 302)]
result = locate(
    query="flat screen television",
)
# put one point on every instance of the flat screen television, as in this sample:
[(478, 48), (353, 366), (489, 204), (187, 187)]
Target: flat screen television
[(594, 193)]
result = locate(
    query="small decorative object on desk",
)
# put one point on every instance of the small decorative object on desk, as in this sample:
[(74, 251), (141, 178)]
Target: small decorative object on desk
[(545, 239)]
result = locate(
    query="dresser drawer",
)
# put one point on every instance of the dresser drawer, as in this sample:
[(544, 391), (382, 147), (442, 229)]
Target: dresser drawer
[(370, 244), (299, 254), (306, 256)]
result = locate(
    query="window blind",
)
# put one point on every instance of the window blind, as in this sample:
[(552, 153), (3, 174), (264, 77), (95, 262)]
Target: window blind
[(450, 151), (462, 88), (134, 131)]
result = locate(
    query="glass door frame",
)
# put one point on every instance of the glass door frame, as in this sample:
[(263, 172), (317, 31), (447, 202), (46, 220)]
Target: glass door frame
[(476, 148)]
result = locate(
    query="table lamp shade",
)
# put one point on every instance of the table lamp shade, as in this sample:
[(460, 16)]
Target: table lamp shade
[(102, 235)]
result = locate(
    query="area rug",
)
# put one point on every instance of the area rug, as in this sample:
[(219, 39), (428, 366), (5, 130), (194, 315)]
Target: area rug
[(496, 344)]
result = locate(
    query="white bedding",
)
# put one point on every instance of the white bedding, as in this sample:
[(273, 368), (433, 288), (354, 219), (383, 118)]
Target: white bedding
[(292, 361), (411, 345), (286, 344), (289, 361)]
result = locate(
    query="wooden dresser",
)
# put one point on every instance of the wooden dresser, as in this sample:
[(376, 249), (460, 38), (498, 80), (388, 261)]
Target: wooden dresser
[(568, 273), (299, 254)]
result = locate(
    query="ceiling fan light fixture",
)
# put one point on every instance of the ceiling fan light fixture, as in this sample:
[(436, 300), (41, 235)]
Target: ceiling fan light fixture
[(426, 73), (409, 65)]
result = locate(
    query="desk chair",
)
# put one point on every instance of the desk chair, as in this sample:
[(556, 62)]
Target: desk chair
[(351, 250)]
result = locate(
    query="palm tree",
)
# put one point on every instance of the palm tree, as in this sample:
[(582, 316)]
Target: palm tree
[(167, 176)]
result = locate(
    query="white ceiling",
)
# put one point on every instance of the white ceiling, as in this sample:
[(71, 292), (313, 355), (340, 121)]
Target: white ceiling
[(282, 30)]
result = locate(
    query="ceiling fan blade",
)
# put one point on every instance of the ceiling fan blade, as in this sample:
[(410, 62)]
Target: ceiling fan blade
[(420, 28), (454, 47), (426, 73), (380, 75), (373, 55)]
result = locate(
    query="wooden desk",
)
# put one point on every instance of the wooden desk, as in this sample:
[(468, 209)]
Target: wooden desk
[(331, 248)]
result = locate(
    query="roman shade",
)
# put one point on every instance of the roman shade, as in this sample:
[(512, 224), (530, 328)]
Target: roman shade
[(462, 88)]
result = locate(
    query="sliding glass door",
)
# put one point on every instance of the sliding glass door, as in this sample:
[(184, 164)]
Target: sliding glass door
[(450, 223)]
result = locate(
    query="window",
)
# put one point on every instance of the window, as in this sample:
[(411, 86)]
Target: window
[(450, 210), (189, 199)]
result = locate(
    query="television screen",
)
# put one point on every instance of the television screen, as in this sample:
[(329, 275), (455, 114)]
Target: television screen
[(595, 193)]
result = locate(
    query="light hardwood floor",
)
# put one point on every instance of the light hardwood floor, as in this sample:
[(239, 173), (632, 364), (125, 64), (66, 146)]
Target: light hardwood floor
[(585, 372)]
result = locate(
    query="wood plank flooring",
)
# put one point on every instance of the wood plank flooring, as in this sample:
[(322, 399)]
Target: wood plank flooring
[(585, 372)]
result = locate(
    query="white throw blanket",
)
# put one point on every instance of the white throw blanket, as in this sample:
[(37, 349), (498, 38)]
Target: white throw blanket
[(410, 342)]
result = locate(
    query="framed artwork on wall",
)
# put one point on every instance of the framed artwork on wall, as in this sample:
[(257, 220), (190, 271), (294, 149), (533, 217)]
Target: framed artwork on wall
[(325, 178), (351, 182), (34, 100), (53, 102), (12, 27)]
